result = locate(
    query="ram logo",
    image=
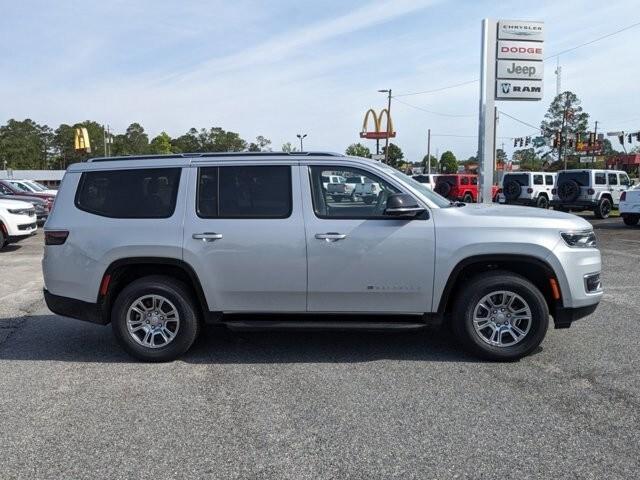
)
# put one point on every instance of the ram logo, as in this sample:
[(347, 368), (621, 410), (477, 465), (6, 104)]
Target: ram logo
[(506, 87)]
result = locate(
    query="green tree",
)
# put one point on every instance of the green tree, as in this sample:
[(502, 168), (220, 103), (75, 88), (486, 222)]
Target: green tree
[(25, 144), (448, 162), (565, 115), (262, 144), (501, 156), (395, 155), (358, 150), (528, 160), (434, 163), (288, 148), (133, 142), (187, 143), (161, 144)]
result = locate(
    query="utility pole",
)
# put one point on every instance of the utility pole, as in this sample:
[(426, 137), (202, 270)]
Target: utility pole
[(558, 76), (595, 138), (487, 112), (429, 151), (386, 141)]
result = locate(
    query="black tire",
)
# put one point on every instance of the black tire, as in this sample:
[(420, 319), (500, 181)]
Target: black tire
[(179, 295), (443, 188), (630, 219), (560, 208), (467, 198), (484, 284), (512, 190), (603, 209), (542, 202), (569, 191), (3, 239)]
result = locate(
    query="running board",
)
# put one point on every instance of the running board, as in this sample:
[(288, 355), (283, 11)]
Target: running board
[(321, 325)]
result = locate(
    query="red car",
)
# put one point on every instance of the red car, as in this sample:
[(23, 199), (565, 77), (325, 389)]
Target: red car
[(461, 187), (6, 188)]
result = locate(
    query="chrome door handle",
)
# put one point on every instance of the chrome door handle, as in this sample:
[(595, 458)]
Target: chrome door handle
[(207, 236), (330, 236)]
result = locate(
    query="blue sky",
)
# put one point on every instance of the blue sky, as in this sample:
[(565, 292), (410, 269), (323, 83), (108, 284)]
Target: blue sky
[(279, 68)]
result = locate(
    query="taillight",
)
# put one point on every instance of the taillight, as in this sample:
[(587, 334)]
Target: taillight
[(591, 191), (623, 197), (529, 190), (554, 191), (55, 237)]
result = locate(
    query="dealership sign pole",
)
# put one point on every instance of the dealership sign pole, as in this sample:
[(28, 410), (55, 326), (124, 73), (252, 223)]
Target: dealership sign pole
[(511, 69)]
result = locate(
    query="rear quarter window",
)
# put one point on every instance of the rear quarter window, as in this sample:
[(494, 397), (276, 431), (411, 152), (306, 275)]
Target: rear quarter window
[(134, 193)]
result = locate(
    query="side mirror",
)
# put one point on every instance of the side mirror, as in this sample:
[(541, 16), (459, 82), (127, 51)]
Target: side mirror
[(402, 205)]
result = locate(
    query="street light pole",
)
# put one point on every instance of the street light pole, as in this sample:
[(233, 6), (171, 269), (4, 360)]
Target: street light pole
[(386, 140), (301, 136), (429, 151)]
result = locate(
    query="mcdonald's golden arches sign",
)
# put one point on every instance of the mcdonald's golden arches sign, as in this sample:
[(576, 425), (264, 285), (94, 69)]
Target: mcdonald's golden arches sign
[(378, 133)]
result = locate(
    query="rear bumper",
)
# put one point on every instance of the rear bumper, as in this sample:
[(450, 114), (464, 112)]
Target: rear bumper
[(584, 204), (73, 308), (564, 317)]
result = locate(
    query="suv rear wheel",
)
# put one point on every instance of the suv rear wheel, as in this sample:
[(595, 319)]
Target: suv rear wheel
[(154, 319), (467, 198), (542, 202), (500, 316), (603, 209), (630, 219)]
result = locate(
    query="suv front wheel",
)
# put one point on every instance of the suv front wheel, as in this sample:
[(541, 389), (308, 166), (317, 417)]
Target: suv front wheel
[(603, 209), (154, 319), (500, 316)]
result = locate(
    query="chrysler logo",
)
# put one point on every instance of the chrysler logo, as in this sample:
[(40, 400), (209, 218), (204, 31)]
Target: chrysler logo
[(506, 87), (522, 30)]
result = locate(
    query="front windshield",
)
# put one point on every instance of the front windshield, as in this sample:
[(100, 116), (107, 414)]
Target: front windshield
[(36, 186), (21, 186), (420, 187)]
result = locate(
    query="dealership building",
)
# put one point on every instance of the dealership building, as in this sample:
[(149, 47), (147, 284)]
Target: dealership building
[(49, 178)]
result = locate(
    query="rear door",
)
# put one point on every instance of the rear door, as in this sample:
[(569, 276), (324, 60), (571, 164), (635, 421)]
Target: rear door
[(244, 236), (358, 259), (614, 187)]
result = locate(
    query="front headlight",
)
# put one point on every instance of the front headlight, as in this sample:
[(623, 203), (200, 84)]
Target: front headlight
[(582, 239), (19, 211)]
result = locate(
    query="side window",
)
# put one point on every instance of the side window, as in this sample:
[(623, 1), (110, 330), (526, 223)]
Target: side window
[(601, 179), (613, 178), (537, 180), (548, 179), (4, 190), (244, 192), (474, 180), (133, 193), (624, 180), (464, 181), (367, 200)]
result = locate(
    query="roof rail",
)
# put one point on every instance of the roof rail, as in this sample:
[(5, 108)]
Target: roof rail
[(214, 154)]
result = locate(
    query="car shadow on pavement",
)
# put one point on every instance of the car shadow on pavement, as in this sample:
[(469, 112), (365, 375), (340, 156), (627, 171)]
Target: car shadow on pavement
[(12, 247), (55, 338)]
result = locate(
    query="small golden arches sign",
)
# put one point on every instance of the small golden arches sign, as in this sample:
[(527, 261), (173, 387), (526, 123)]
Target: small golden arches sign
[(377, 123)]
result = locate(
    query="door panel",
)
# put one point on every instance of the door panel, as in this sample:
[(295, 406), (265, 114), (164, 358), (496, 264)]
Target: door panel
[(246, 264), (374, 264)]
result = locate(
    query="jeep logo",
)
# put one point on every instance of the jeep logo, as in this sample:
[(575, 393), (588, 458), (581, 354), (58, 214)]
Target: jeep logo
[(520, 70)]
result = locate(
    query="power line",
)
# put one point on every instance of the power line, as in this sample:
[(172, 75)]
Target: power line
[(593, 41), (425, 92), (520, 121), (431, 111)]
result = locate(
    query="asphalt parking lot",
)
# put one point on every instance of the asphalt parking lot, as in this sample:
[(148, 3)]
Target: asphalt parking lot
[(319, 405)]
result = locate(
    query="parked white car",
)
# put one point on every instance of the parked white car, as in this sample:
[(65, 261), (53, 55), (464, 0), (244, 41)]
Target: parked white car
[(427, 179), (527, 188), (630, 206), (31, 186), (17, 221)]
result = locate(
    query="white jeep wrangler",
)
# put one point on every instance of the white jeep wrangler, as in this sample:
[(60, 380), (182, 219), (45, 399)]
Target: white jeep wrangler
[(527, 188), (597, 190)]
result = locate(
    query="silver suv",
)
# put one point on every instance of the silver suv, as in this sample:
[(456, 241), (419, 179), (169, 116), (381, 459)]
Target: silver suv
[(158, 246), (597, 190)]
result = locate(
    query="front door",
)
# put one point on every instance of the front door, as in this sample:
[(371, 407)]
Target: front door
[(360, 260), (614, 187), (244, 236)]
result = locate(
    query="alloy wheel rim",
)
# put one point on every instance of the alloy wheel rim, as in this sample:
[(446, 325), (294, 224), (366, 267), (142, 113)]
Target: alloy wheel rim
[(502, 319), (153, 321)]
